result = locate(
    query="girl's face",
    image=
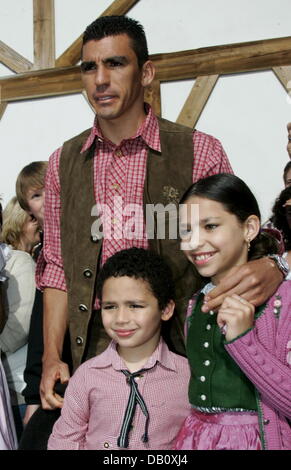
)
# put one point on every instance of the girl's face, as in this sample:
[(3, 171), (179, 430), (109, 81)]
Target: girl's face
[(221, 243)]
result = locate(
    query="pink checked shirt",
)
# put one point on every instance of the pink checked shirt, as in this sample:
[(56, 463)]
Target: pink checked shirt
[(97, 395), (118, 171)]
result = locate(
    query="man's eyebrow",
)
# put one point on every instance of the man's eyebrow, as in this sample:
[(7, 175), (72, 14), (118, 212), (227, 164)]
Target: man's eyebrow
[(116, 58)]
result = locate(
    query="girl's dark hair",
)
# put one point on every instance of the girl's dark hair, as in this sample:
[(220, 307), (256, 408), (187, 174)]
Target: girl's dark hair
[(237, 199), (116, 25), (279, 216)]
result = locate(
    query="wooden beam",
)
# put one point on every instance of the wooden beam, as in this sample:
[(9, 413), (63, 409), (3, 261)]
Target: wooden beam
[(243, 57), (153, 97), (41, 84), (284, 75), (3, 107), (73, 54), (14, 61), (44, 33), (217, 60), (197, 100)]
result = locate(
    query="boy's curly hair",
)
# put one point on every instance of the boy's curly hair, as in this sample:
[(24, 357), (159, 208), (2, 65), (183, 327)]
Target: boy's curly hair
[(140, 264)]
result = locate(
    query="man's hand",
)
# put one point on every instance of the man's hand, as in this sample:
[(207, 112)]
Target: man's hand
[(53, 370), (255, 281), (235, 316)]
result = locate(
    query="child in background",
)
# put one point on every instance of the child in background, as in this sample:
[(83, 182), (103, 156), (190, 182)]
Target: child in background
[(134, 394), (240, 357)]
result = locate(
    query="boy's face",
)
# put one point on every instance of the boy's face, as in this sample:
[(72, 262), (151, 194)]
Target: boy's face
[(131, 314), (35, 202)]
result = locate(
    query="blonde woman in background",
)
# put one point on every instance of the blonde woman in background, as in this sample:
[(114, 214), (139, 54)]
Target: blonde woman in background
[(8, 440), (20, 231)]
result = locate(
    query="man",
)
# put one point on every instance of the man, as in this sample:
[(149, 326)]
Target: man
[(127, 156)]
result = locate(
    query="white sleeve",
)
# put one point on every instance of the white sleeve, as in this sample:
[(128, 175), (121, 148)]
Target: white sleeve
[(20, 293)]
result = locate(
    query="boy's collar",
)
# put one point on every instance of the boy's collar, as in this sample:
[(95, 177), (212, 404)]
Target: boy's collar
[(110, 357)]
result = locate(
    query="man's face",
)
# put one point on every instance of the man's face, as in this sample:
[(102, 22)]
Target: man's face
[(112, 77)]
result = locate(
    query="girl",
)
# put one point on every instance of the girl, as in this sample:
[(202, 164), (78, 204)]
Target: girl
[(240, 364)]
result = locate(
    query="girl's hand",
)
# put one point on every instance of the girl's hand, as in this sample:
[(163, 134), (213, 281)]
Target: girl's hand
[(235, 316)]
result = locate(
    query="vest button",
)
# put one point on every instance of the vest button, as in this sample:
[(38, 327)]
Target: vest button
[(79, 340), (83, 308), (203, 397), (87, 273)]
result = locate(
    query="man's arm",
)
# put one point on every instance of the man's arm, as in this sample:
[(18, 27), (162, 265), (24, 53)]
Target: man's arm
[(55, 326), (256, 281)]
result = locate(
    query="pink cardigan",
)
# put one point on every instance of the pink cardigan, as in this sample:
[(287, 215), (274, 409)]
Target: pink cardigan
[(264, 354)]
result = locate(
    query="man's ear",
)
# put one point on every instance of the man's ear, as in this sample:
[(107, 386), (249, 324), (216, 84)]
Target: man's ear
[(148, 73), (168, 311)]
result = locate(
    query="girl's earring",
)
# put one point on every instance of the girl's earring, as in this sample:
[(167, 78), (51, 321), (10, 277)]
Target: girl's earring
[(248, 244)]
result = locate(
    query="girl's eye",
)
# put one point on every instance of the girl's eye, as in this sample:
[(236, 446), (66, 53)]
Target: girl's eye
[(211, 227), (136, 306)]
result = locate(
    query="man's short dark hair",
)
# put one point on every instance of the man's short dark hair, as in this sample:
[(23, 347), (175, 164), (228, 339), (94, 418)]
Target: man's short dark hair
[(141, 264), (116, 25)]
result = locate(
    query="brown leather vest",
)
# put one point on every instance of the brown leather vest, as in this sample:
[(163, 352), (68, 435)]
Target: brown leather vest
[(168, 175)]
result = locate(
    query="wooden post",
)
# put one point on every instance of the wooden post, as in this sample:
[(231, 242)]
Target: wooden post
[(284, 75), (13, 60), (72, 55), (197, 100), (3, 106), (44, 33)]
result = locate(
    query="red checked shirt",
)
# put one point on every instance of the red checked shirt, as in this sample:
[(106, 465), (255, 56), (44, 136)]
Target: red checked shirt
[(119, 170), (92, 417)]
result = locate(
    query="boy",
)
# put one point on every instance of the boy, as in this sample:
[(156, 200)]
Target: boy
[(134, 394)]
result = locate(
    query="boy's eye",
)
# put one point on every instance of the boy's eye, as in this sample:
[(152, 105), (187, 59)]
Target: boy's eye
[(136, 306), (108, 307)]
